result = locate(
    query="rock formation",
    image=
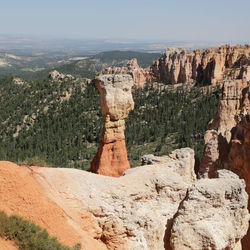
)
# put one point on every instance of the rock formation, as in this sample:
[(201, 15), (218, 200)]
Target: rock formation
[(227, 143), (117, 102), (203, 67), (21, 194), (209, 66), (213, 215), (234, 106), (56, 76), (153, 206), (139, 75), (134, 211)]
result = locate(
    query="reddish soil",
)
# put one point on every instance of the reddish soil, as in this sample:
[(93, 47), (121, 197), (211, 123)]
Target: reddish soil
[(7, 245), (22, 195)]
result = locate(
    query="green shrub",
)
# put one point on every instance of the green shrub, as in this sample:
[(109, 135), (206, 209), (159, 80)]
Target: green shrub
[(27, 235)]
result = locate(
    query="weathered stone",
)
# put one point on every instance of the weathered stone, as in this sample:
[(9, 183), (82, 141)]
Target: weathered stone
[(180, 160), (213, 215), (227, 145), (149, 159), (134, 211), (210, 155), (234, 103), (233, 106), (117, 102)]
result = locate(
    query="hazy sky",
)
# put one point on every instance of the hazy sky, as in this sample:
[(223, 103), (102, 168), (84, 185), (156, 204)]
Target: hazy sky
[(213, 20)]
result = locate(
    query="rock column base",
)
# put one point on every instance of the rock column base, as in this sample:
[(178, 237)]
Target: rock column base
[(111, 159)]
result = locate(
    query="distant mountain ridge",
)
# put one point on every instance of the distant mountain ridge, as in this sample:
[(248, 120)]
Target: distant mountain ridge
[(40, 65)]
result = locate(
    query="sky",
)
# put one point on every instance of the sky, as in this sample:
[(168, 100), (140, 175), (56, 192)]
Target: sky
[(161, 20)]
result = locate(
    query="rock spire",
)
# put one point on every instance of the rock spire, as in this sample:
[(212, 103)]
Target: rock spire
[(116, 102)]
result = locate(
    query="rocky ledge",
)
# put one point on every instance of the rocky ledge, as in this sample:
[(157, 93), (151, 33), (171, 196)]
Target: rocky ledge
[(159, 206)]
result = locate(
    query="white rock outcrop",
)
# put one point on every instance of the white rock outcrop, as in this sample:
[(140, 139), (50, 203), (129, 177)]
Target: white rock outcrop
[(139, 210), (213, 215), (134, 211)]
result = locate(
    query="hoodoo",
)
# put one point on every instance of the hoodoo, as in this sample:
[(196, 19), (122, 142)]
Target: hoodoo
[(117, 102)]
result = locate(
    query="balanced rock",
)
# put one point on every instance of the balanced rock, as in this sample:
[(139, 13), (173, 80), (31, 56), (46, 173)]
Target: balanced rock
[(117, 102)]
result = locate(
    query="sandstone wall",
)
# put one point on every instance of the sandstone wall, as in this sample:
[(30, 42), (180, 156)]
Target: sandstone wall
[(153, 207)]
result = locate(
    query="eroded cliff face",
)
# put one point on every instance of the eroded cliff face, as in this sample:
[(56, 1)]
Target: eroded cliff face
[(227, 143), (203, 67), (206, 67), (117, 102), (230, 125)]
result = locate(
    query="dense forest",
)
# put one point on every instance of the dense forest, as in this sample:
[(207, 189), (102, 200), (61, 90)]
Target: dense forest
[(59, 123)]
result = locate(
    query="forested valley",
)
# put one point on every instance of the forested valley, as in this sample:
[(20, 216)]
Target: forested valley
[(58, 123)]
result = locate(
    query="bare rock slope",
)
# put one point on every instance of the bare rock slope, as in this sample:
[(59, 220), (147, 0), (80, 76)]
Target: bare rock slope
[(21, 194)]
